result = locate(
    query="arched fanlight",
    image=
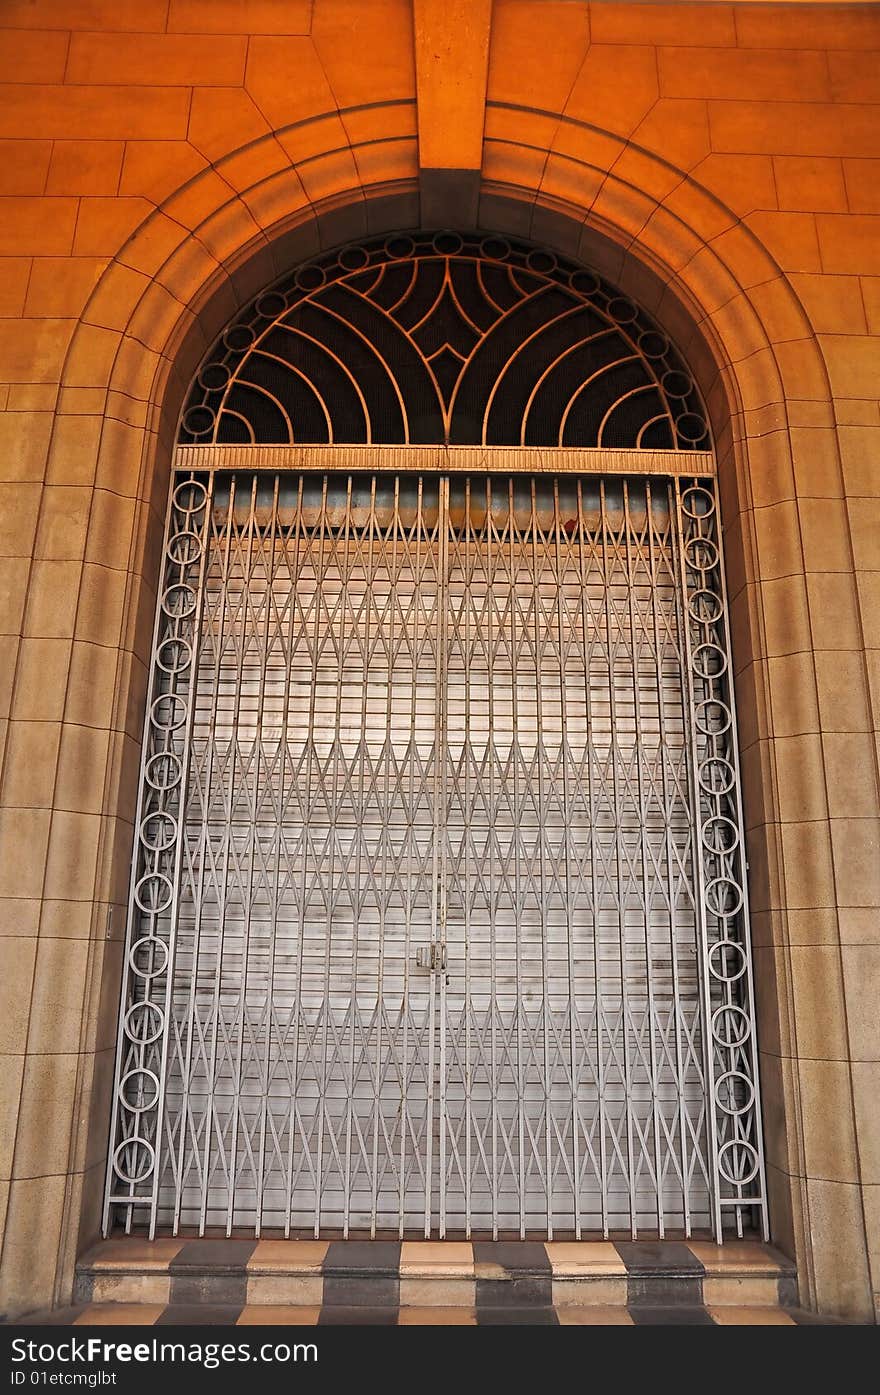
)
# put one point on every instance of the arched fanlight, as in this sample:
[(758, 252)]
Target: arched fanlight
[(423, 339)]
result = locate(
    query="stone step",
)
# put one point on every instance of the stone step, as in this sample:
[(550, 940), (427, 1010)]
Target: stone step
[(481, 1275)]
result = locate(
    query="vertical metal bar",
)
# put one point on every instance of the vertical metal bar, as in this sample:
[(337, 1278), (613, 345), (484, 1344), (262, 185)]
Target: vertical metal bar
[(365, 546), (342, 552), (438, 901), (385, 848), (542, 844), (629, 529), (441, 836), (670, 882), (223, 888), (470, 553), (588, 643), (569, 910), (296, 531), (492, 840), (259, 754), (247, 894), (615, 762), (298, 1008), (417, 538), (517, 860)]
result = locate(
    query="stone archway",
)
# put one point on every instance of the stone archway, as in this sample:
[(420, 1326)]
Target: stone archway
[(705, 277)]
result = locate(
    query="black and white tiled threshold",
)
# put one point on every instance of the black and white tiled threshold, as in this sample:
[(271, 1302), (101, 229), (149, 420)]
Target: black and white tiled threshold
[(349, 1282)]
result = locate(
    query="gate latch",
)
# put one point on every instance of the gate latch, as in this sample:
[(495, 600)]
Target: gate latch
[(432, 957)]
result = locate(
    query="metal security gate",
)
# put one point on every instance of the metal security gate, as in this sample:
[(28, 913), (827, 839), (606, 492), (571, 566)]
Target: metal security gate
[(438, 917)]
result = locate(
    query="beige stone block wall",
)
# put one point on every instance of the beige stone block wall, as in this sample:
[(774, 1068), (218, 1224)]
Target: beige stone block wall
[(160, 161)]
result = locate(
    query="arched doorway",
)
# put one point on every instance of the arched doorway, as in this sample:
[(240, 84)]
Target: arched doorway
[(438, 919)]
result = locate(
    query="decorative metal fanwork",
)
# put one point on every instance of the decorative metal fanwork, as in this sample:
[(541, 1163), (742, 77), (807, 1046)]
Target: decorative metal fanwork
[(464, 340), (438, 921)]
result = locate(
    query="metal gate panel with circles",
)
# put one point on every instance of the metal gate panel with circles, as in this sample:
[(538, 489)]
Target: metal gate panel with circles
[(438, 921)]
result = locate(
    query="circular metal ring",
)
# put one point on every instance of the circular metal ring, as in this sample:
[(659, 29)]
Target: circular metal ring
[(160, 960), (271, 305), (213, 377), (712, 717), (737, 1080), (137, 1076), (676, 383), (144, 1150), (199, 420), (163, 770), (139, 1013), (497, 249), (238, 338), (397, 248), (585, 282), (691, 427), (447, 244), (697, 502), (622, 310), (178, 600), (701, 554), (739, 1028), (353, 258), (719, 835), (709, 601), (541, 262), (703, 658), (174, 654), (190, 496), (743, 1148), (653, 344), (716, 893), (153, 893), (727, 961), (184, 547), (158, 831), (309, 278), (168, 720), (717, 775)]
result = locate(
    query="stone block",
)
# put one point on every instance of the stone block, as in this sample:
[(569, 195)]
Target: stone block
[(767, 75), (240, 17), (810, 184), (157, 60), (94, 113), (525, 70), (24, 165), (85, 167)]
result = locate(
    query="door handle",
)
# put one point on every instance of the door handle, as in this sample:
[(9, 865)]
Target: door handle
[(432, 958)]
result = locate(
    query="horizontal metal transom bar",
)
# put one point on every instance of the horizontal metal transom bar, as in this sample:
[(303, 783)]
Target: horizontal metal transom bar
[(438, 919), (447, 459)]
